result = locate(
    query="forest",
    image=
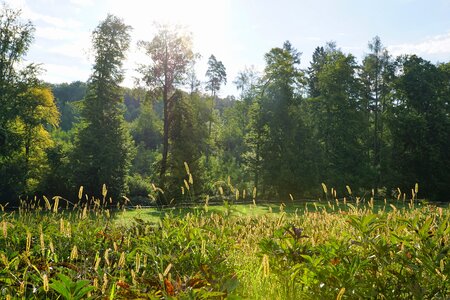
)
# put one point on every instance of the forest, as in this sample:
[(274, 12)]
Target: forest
[(380, 125)]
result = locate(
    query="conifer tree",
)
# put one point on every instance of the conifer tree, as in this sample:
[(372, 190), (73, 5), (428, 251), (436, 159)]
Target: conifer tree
[(103, 147)]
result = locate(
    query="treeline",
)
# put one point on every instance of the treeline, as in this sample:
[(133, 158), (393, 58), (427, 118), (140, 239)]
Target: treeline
[(381, 124)]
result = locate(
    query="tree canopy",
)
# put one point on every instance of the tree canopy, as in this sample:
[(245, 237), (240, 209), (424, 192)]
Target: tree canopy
[(379, 125)]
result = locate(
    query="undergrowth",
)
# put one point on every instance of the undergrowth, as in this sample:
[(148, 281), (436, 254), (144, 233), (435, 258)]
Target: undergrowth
[(340, 250)]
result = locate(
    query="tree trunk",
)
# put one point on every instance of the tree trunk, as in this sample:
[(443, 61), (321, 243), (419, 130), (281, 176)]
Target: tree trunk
[(165, 139), (208, 150)]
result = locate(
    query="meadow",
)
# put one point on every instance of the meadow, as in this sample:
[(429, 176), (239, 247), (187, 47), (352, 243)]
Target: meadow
[(328, 249)]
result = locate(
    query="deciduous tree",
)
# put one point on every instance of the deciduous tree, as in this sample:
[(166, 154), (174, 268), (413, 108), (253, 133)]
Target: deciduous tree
[(170, 52)]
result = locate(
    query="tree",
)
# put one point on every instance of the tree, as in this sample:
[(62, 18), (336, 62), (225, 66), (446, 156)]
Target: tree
[(420, 127), (15, 40), (216, 74), (103, 146), (270, 138), (68, 99), (377, 74), (317, 63), (187, 137), (27, 110), (171, 55), (194, 83), (337, 119), (246, 81)]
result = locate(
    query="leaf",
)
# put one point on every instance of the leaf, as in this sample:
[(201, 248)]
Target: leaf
[(65, 280), (231, 284), (202, 294), (83, 292), (113, 291), (79, 286), (61, 289)]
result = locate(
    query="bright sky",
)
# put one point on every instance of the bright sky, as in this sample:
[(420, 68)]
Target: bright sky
[(237, 32)]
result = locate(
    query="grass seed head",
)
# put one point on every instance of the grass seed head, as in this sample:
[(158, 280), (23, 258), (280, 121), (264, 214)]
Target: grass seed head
[(80, 193), (137, 262), (74, 253), (5, 229), (106, 256), (28, 243), (186, 167), (45, 282), (265, 265), (105, 283), (121, 263), (42, 242), (4, 260)]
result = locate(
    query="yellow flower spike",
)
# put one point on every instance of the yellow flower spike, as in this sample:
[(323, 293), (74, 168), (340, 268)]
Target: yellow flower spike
[(74, 253), (45, 282)]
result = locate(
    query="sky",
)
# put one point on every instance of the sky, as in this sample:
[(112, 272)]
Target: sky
[(237, 32)]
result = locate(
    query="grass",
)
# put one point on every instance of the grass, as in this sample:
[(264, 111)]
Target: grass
[(154, 214), (326, 250)]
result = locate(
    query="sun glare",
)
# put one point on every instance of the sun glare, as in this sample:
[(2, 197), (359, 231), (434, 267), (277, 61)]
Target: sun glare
[(208, 21), (201, 17)]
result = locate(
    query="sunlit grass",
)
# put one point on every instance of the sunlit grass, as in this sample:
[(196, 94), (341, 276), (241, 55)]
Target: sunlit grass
[(321, 249)]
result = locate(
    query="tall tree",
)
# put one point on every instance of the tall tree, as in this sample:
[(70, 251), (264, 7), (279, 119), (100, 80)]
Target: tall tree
[(15, 39), (271, 134), (171, 54), (420, 126), (187, 137), (377, 74), (317, 63), (246, 81), (27, 109), (216, 75), (103, 147), (337, 117)]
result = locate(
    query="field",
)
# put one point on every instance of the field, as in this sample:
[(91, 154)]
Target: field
[(321, 250)]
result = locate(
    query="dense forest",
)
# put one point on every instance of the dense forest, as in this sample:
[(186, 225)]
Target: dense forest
[(379, 125)]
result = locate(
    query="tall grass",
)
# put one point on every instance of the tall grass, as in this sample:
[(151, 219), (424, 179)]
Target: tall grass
[(333, 249)]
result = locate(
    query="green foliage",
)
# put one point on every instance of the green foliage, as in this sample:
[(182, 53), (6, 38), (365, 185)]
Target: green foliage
[(271, 134), (294, 251), (146, 129), (187, 139), (28, 109), (171, 57), (377, 256), (216, 74), (103, 147), (376, 125), (70, 290), (420, 127), (377, 76), (338, 115), (68, 99)]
